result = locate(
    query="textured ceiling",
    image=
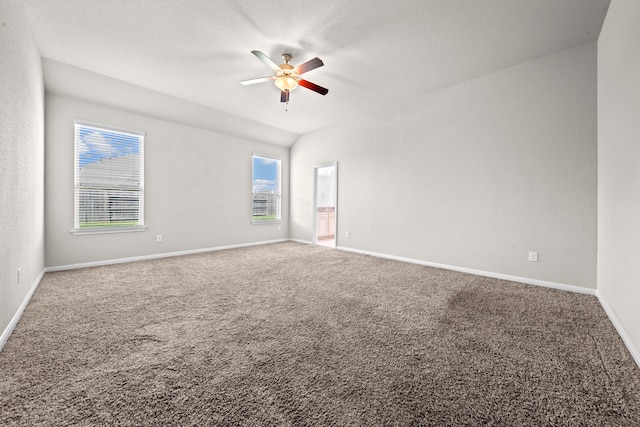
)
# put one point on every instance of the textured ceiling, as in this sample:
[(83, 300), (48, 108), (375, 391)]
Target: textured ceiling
[(377, 54)]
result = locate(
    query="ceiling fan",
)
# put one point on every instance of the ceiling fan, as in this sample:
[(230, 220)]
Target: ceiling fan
[(287, 76)]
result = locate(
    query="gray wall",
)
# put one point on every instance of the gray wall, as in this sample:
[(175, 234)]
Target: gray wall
[(619, 165), (197, 187), (474, 176), (21, 160)]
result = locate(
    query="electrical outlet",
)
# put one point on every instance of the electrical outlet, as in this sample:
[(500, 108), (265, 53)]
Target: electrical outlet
[(279, 228), (159, 238), (347, 234), (533, 256), (18, 276)]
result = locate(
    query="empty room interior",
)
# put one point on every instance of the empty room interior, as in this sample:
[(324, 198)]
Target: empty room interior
[(431, 218)]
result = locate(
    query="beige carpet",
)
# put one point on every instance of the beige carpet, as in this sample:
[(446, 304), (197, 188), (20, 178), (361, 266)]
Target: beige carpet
[(290, 334)]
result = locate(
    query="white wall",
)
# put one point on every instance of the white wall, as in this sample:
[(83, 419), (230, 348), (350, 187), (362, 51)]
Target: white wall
[(21, 162), (197, 187), (619, 165), (474, 176)]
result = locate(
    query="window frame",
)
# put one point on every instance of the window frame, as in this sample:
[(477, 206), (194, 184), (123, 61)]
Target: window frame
[(106, 229), (278, 192)]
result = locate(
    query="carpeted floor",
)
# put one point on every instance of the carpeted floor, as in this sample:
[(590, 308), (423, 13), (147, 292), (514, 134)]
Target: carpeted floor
[(290, 334)]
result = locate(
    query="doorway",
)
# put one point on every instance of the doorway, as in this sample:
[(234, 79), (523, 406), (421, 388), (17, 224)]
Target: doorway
[(325, 212)]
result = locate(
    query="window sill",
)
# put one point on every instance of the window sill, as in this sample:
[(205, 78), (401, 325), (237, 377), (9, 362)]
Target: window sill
[(107, 230), (267, 221)]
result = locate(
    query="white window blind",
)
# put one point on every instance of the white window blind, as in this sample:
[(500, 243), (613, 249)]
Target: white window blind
[(109, 179)]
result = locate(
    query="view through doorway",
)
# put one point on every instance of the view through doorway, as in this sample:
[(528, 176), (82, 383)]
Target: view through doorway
[(325, 204)]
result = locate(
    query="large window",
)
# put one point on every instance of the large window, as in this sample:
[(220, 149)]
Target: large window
[(109, 179), (266, 189)]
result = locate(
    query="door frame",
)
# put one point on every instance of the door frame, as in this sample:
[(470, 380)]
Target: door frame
[(315, 201)]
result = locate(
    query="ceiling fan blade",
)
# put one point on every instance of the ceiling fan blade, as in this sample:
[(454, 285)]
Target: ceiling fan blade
[(314, 87), (264, 58), (284, 96), (258, 80), (311, 64)]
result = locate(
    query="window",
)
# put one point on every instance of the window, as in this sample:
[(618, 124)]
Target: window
[(266, 189), (109, 179)]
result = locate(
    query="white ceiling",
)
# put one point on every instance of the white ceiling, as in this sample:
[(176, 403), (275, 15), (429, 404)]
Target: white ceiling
[(377, 54)]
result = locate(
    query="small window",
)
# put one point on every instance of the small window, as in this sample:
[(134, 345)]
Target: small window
[(109, 179), (266, 189)]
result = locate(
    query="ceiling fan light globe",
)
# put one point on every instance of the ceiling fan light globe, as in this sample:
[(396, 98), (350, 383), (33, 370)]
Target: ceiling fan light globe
[(286, 84)]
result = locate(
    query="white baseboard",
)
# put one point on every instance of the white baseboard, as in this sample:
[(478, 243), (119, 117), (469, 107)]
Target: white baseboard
[(623, 334), (543, 283), (156, 256), (304, 242), (16, 317)]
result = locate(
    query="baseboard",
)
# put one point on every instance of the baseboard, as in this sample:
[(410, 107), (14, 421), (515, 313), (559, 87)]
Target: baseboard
[(16, 317), (156, 256), (623, 334), (304, 242), (543, 283)]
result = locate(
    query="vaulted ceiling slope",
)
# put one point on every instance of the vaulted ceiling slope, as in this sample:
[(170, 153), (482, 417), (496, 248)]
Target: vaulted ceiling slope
[(377, 54)]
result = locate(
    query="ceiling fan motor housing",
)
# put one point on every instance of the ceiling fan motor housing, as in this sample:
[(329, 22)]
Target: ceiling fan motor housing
[(286, 57)]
